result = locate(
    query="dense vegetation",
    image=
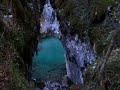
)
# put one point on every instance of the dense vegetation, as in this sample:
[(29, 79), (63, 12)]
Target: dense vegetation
[(19, 37), (17, 43), (100, 23)]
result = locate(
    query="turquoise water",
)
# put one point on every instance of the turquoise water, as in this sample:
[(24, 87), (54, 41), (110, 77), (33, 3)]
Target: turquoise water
[(49, 62)]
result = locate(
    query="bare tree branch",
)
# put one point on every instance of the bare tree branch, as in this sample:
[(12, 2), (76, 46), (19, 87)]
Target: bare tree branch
[(110, 48)]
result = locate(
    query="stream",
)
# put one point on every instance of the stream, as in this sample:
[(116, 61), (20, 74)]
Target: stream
[(57, 61)]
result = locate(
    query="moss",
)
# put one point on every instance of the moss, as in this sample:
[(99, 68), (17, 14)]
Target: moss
[(69, 8), (112, 73), (78, 26), (20, 13), (18, 81), (12, 50), (74, 21), (59, 3), (15, 65), (98, 13), (110, 77), (101, 36), (106, 3), (91, 72), (65, 8), (11, 60), (68, 12)]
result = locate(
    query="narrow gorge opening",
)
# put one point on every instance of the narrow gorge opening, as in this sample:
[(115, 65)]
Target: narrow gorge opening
[(59, 44), (49, 62)]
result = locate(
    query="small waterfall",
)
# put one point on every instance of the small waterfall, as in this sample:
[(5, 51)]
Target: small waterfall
[(49, 20)]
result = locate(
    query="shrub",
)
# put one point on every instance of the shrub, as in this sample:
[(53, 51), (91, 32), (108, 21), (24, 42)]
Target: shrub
[(98, 13)]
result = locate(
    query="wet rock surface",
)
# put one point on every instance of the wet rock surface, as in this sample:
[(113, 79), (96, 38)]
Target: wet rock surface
[(78, 52)]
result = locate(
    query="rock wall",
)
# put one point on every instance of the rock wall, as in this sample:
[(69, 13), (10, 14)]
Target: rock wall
[(79, 53)]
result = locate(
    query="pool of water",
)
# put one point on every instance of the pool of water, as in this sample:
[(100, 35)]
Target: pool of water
[(49, 62)]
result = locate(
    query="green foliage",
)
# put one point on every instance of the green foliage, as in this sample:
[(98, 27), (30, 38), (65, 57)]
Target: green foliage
[(111, 74), (74, 21), (113, 70), (91, 72), (101, 36), (5, 2), (69, 12), (59, 3), (69, 8), (18, 81), (20, 12), (106, 3), (17, 38), (108, 38), (13, 43), (15, 67), (89, 78), (103, 4), (65, 9), (99, 10)]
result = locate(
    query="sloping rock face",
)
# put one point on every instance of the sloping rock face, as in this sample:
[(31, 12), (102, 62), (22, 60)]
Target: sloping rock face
[(78, 52), (97, 20)]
